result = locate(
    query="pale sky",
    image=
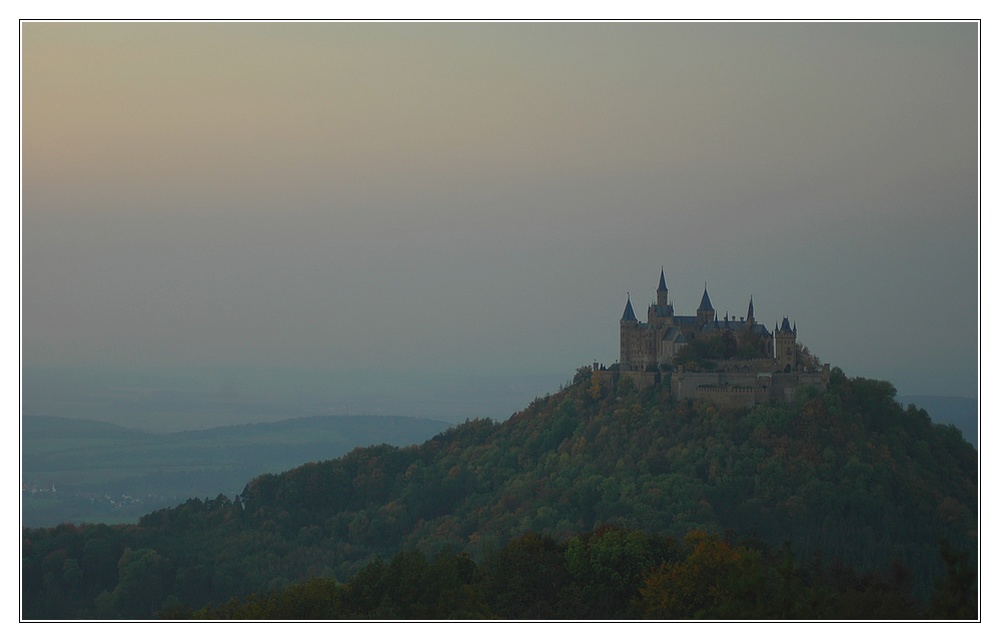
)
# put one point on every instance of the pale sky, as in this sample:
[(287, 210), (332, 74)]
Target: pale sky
[(467, 200)]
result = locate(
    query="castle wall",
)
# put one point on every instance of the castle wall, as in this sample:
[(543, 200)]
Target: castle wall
[(744, 389), (606, 379), (754, 366), (642, 380), (731, 397), (727, 389)]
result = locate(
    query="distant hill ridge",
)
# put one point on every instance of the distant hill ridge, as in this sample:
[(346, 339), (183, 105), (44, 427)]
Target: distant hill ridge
[(45, 427), (87, 459)]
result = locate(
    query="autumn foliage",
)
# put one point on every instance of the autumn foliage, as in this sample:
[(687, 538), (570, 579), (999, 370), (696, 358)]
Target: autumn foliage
[(833, 505)]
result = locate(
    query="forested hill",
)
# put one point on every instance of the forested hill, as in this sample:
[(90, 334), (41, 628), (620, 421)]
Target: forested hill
[(844, 475)]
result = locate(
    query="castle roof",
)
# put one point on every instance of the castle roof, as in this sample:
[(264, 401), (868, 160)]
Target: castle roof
[(674, 335), (785, 327), (663, 282), (629, 314), (706, 303), (745, 326)]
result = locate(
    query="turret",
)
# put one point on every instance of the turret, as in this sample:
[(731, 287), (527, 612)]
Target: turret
[(706, 313), (661, 290), (629, 314), (627, 328), (660, 313), (784, 346)]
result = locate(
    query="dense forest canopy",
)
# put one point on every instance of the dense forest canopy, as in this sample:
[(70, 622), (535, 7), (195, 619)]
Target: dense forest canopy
[(843, 478), (609, 573)]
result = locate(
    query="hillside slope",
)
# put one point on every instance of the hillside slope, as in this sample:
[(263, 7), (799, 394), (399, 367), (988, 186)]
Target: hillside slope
[(846, 474), (961, 412)]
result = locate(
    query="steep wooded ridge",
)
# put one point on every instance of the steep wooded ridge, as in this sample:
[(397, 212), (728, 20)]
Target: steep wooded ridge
[(845, 475)]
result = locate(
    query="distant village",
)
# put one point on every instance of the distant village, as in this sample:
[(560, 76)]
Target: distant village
[(47, 491)]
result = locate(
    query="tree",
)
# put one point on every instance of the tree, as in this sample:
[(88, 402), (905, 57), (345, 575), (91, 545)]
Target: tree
[(805, 358), (144, 578), (583, 373), (608, 566), (729, 344), (955, 596), (714, 579), (525, 579)]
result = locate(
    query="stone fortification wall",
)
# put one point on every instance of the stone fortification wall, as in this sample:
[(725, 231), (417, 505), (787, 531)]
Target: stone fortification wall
[(747, 365), (732, 387), (730, 396), (739, 389), (642, 380), (606, 379)]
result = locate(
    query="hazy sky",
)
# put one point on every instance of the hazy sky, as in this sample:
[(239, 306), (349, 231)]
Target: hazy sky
[(468, 199)]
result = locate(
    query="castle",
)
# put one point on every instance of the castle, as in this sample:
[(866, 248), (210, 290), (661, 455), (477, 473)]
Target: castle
[(656, 342), (753, 365)]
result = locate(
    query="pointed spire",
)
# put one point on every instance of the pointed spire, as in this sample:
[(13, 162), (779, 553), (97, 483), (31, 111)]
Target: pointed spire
[(706, 303), (785, 327), (750, 311), (629, 314), (661, 294)]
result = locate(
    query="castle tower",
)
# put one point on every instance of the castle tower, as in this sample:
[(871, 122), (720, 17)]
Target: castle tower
[(629, 315), (660, 316), (706, 313), (784, 346), (628, 327), (750, 319), (661, 291)]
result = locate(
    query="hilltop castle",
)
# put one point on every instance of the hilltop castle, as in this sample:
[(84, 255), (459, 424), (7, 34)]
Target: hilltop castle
[(756, 365), (656, 342)]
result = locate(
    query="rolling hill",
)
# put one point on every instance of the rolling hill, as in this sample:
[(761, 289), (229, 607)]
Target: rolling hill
[(102, 472)]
